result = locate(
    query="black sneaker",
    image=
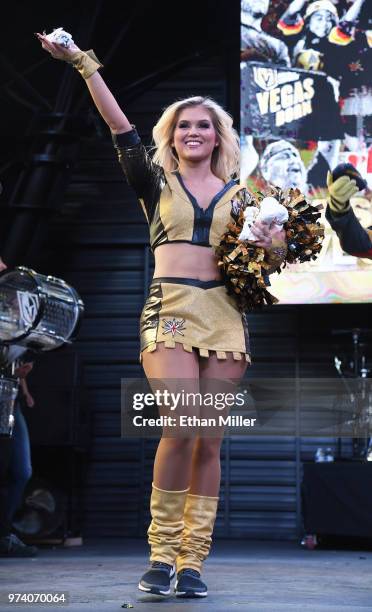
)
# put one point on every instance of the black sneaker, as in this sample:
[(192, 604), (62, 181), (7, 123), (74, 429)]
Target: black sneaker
[(189, 584), (157, 579), (11, 546)]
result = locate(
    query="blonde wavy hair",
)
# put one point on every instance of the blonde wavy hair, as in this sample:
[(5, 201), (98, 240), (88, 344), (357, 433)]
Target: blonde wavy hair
[(225, 158)]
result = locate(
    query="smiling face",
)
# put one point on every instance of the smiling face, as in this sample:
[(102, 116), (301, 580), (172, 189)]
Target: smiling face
[(321, 23), (194, 136)]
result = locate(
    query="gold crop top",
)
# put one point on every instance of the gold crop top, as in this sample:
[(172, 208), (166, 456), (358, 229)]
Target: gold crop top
[(172, 212)]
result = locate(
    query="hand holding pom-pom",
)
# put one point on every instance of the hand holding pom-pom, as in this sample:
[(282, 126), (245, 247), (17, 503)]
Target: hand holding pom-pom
[(246, 263), (59, 44), (60, 37), (270, 213)]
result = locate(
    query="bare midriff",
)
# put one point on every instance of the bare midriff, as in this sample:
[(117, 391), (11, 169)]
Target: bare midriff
[(184, 260)]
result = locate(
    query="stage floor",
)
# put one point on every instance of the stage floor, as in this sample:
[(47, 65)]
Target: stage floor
[(241, 575)]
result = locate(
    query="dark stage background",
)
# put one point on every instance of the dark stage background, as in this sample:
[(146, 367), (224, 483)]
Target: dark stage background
[(93, 235)]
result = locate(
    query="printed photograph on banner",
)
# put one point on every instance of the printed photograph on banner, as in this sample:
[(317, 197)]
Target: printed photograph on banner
[(306, 106), (306, 80), (334, 276)]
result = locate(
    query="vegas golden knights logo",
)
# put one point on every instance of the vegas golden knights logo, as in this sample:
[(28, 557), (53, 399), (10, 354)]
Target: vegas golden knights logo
[(266, 78), (28, 307)]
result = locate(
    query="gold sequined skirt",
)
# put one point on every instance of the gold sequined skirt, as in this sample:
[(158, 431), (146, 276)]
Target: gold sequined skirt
[(197, 314)]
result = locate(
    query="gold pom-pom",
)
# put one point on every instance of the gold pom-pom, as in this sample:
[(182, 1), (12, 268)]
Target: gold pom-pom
[(243, 265)]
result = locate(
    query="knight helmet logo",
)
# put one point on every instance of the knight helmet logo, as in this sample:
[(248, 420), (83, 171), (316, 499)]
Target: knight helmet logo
[(28, 307), (266, 78)]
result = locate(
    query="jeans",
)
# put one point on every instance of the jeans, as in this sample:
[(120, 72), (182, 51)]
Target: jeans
[(5, 448), (20, 468)]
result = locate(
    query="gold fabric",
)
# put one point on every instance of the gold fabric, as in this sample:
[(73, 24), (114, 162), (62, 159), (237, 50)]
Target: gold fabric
[(166, 527), (201, 317), (85, 62), (176, 213), (199, 517)]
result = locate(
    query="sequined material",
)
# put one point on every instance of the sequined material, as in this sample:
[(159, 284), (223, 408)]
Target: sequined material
[(197, 314)]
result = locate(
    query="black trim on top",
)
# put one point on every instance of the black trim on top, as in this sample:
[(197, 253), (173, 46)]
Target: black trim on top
[(126, 139), (204, 244), (203, 216), (192, 282)]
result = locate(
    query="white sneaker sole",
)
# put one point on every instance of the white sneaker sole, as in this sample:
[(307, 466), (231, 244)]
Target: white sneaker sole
[(185, 593), (153, 592), (158, 591), (191, 595)]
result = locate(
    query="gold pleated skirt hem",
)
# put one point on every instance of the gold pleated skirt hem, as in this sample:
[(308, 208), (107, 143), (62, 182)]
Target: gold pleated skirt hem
[(203, 352), (199, 315)]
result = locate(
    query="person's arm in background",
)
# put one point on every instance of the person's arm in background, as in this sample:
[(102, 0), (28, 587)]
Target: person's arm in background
[(343, 33), (352, 13), (354, 239), (291, 21), (22, 372)]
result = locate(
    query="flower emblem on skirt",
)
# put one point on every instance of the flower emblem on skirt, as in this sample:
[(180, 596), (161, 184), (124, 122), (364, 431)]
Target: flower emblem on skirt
[(173, 326)]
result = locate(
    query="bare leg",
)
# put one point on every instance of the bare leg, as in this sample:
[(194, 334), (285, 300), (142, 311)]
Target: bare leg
[(216, 376), (206, 465), (180, 371)]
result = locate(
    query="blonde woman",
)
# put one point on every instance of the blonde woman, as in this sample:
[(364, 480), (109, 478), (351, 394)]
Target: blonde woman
[(191, 331)]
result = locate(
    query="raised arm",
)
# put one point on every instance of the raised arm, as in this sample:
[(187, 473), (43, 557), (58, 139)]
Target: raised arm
[(291, 21), (106, 105), (88, 65), (143, 176), (344, 32), (343, 183), (353, 12), (294, 7)]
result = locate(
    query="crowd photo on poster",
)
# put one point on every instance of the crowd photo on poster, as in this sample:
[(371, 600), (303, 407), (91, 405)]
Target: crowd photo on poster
[(306, 106)]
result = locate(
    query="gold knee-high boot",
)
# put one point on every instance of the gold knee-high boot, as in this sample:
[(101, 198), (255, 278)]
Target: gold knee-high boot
[(166, 527), (200, 514)]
